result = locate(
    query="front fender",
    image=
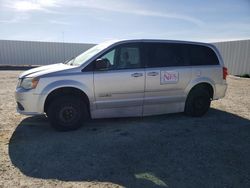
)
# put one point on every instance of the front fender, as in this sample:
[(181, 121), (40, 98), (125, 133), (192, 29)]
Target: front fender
[(60, 84), (64, 83)]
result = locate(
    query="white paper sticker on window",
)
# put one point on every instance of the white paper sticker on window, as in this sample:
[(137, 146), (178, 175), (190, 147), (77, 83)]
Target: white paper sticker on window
[(169, 77)]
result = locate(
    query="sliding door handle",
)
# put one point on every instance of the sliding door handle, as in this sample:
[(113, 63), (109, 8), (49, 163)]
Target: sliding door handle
[(153, 73), (137, 74)]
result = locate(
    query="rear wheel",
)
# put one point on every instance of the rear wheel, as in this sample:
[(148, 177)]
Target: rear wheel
[(198, 102), (67, 113)]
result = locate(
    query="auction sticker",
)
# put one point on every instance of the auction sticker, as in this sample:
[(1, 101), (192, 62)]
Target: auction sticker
[(169, 77)]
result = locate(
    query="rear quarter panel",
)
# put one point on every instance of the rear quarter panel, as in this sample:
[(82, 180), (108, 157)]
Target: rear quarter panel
[(211, 74)]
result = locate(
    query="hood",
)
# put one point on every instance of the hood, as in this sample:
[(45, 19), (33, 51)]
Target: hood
[(43, 70)]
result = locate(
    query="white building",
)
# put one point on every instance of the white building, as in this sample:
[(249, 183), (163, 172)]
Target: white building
[(236, 54)]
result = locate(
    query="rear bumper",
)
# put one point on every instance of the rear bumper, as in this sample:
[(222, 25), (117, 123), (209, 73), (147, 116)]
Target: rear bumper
[(220, 90), (28, 103)]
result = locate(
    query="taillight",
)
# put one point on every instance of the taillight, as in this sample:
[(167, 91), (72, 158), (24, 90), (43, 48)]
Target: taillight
[(225, 73)]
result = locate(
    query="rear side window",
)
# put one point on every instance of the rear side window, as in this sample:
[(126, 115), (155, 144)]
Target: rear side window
[(166, 55), (177, 54), (202, 55)]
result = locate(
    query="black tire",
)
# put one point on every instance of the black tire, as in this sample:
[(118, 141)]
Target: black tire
[(67, 113), (198, 102)]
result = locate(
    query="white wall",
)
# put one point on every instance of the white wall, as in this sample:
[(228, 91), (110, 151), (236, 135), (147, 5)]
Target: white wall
[(236, 54), (38, 53)]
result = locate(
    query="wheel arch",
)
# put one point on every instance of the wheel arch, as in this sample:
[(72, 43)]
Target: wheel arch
[(203, 84), (66, 90)]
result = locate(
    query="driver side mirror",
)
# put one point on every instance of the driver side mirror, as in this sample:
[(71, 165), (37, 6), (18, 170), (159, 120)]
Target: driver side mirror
[(102, 64)]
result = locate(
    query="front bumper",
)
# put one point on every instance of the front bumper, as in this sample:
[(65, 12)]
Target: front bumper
[(28, 103)]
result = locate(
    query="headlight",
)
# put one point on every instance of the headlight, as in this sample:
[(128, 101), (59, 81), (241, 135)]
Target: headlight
[(29, 83), (19, 82)]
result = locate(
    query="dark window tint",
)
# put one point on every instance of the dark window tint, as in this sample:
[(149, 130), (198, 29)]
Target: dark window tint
[(202, 55), (128, 57), (166, 55)]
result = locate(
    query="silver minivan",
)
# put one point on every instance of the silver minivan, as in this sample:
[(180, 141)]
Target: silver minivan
[(123, 79)]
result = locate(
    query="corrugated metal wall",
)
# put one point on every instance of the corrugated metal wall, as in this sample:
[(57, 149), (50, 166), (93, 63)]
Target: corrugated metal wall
[(236, 56), (38, 53)]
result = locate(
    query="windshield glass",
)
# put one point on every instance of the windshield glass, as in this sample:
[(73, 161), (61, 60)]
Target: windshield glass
[(82, 58)]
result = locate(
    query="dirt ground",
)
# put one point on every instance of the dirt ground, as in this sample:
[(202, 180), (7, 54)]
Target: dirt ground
[(159, 151)]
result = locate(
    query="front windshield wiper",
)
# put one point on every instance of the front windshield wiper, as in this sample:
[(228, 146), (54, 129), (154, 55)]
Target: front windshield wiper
[(72, 61), (67, 61)]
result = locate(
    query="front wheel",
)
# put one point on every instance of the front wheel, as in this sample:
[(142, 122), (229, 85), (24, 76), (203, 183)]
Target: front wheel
[(198, 102), (67, 113)]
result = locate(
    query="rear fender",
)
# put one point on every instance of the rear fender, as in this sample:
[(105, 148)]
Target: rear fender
[(197, 81)]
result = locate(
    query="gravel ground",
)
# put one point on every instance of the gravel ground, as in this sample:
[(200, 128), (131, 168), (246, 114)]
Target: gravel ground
[(159, 151)]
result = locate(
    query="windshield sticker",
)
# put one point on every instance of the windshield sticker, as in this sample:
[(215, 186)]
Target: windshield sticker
[(169, 77)]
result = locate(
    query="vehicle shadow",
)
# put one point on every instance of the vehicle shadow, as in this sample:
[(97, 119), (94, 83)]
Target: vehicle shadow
[(159, 151)]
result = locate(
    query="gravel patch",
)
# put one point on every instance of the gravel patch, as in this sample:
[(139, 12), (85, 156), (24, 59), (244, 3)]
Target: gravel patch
[(158, 151)]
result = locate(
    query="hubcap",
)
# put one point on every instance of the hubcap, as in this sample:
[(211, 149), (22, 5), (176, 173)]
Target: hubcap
[(67, 114)]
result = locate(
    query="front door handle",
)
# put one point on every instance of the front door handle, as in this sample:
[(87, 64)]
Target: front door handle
[(153, 73), (137, 74)]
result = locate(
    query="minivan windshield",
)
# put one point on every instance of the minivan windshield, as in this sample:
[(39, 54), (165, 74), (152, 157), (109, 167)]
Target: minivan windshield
[(82, 58)]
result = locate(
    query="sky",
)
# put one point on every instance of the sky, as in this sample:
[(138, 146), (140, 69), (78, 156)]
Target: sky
[(95, 21)]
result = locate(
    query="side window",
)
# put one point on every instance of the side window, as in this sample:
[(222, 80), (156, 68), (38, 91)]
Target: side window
[(202, 55), (106, 61), (129, 57), (122, 57), (166, 55), (110, 56)]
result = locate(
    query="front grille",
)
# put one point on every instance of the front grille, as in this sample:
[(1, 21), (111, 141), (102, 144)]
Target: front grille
[(19, 106)]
